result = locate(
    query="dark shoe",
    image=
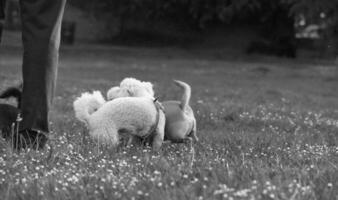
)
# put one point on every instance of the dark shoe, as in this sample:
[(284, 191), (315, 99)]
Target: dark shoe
[(29, 138)]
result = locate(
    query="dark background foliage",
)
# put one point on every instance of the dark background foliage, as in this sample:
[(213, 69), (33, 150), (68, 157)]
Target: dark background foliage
[(274, 22)]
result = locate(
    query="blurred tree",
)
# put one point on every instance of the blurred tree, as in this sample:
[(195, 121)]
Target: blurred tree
[(111, 12)]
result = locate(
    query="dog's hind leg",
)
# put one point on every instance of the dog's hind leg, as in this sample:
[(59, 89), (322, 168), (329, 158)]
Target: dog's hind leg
[(134, 140), (193, 133), (157, 142)]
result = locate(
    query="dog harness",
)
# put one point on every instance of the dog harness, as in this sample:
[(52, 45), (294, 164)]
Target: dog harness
[(152, 130)]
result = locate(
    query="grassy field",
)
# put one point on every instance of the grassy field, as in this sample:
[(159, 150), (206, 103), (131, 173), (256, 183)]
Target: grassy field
[(268, 129)]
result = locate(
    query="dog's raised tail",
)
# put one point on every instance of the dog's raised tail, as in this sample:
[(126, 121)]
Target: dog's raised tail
[(186, 93), (87, 104)]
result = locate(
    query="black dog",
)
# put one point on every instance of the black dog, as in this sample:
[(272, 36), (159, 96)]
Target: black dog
[(12, 92), (9, 113), (8, 120)]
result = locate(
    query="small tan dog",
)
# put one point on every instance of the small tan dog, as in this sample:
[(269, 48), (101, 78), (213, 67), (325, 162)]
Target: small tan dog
[(180, 123), (180, 120)]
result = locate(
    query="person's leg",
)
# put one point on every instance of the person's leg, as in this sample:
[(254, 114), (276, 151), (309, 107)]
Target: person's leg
[(2, 16), (41, 25)]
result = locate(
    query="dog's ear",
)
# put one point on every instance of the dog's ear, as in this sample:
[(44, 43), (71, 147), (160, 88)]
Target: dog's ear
[(149, 87)]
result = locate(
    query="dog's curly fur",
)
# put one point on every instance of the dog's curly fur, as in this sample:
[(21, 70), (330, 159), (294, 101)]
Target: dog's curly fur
[(180, 120), (131, 87), (131, 115)]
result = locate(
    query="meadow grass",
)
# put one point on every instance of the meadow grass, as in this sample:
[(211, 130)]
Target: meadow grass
[(268, 129)]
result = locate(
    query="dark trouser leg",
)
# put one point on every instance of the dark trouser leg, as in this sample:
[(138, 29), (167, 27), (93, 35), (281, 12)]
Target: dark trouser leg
[(1, 28), (2, 16), (41, 24)]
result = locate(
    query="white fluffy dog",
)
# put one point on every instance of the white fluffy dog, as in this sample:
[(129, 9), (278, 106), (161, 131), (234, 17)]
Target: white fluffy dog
[(131, 87), (138, 116), (180, 120)]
